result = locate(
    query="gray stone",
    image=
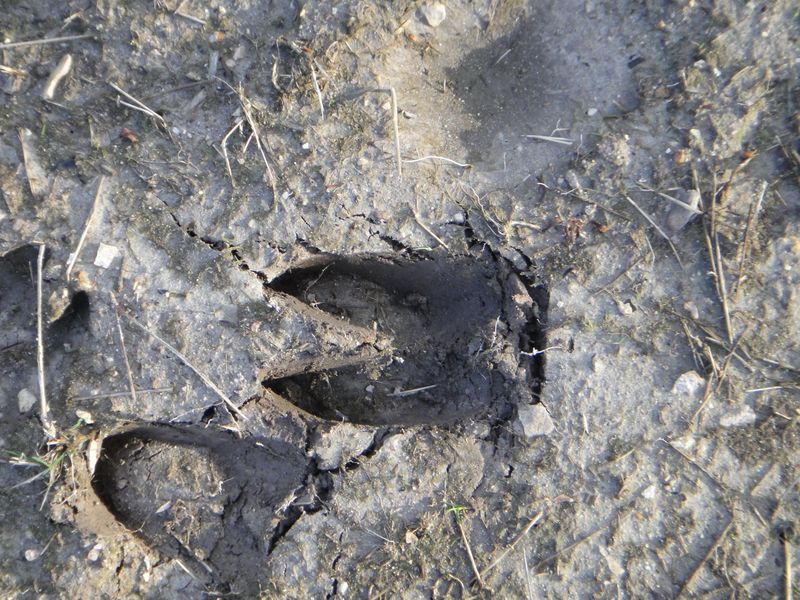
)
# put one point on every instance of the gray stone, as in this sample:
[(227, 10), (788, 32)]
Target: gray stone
[(535, 421)]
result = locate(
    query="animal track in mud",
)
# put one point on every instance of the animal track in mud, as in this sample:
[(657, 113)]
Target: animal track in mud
[(453, 348), (201, 496), (449, 332)]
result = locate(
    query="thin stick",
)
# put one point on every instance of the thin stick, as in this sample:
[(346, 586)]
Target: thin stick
[(632, 264), (429, 231), (55, 40), (516, 541), (122, 345), (708, 554), (47, 423), (248, 115), (82, 239), (524, 224), (396, 132), (657, 228), (675, 201), (411, 392), (319, 93), (788, 588), (225, 150), (143, 107), (716, 263), (149, 113), (550, 138), (570, 547), (527, 575), (186, 361), (189, 17), (752, 219), (121, 394), (435, 157), (393, 95), (469, 553), (577, 196)]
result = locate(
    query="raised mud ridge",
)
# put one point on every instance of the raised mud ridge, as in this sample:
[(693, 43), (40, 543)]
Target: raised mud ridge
[(452, 330)]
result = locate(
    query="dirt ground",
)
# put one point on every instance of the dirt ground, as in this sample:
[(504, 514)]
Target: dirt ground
[(410, 299)]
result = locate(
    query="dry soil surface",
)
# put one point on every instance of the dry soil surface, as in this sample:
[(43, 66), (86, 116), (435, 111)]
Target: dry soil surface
[(355, 299)]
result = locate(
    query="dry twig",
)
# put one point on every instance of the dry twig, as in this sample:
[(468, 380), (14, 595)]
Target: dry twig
[(752, 219), (137, 105), (55, 40), (469, 552), (657, 228), (74, 257), (47, 423), (207, 380), (516, 541), (696, 570), (116, 307)]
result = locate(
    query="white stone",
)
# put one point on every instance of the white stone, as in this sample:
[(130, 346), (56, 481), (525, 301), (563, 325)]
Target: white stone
[(650, 491), (105, 255), (31, 554), (85, 416), (743, 417), (534, 420), (26, 400), (435, 13), (94, 553), (688, 384)]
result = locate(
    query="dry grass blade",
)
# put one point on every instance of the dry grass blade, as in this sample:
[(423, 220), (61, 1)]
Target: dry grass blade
[(435, 157), (516, 541), (427, 229), (550, 138), (247, 110), (687, 584), (55, 40), (672, 199), (469, 552), (47, 423), (657, 228), (138, 105), (395, 123), (745, 248), (225, 150), (122, 345), (318, 92), (74, 257), (715, 258)]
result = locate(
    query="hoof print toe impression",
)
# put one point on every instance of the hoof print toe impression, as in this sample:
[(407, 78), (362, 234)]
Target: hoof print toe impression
[(203, 497), (452, 346)]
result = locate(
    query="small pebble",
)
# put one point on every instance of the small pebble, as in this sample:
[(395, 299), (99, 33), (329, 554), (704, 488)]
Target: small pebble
[(31, 554), (434, 13), (105, 255), (85, 416), (26, 400), (688, 384), (94, 553), (535, 420)]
